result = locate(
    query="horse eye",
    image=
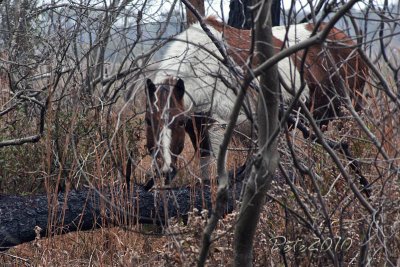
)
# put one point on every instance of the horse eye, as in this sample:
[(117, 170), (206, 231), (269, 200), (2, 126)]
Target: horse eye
[(181, 123)]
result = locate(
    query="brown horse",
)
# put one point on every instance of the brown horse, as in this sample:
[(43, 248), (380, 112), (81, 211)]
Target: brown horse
[(167, 122), (190, 93)]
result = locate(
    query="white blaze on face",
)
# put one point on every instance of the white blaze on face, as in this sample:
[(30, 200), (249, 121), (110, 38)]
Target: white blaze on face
[(166, 137)]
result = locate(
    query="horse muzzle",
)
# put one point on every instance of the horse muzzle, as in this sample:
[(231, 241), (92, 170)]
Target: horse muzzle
[(169, 174)]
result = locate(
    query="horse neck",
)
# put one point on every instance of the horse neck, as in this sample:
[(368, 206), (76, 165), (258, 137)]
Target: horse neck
[(186, 59)]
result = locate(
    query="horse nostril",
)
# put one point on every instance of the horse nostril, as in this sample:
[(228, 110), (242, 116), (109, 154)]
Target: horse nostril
[(166, 169)]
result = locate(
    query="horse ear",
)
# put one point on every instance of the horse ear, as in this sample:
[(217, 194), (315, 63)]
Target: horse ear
[(151, 88), (179, 89)]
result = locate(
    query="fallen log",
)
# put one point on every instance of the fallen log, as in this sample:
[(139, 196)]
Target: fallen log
[(88, 209)]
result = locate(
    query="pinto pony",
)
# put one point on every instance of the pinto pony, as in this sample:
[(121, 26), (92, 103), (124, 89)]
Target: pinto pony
[(190, 91)]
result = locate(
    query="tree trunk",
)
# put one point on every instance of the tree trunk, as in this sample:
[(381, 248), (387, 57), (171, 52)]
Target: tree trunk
[(240, 14), (90, 209), (199, 5), (267, 157)]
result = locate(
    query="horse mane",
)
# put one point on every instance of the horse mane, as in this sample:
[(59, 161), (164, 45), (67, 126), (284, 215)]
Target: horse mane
[(238, 41)]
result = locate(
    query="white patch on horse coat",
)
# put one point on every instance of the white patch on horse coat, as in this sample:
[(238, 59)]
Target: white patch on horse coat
[(166, 138), (186, 59), (199, 69), (288, 70)]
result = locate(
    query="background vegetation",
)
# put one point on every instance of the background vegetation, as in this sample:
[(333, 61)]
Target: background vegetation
[(71, 113)]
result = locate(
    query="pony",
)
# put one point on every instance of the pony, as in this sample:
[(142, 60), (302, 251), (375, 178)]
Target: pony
[(191, 90)]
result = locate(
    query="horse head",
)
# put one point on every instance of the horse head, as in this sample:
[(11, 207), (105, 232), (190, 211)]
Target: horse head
[(165, 123)]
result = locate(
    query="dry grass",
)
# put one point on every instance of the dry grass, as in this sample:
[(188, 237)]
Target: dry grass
[(103, 247), (92, 146), (179, 243)]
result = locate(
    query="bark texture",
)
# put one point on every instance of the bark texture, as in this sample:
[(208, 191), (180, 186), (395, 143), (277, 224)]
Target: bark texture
[(90, 209), (240, 14), (199, 5), (267, 157)]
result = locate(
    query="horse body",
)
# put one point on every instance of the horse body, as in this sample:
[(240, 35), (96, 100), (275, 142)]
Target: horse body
[(188, 59), (193, 57), (191, 76)]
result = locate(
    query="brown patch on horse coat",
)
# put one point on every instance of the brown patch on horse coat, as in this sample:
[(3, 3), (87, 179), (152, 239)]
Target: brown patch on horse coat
[(318, 66), (330, 64), (238, 41), (163, 97)]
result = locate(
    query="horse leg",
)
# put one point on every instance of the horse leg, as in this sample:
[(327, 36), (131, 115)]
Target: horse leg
[(216, 133), (197, 130)]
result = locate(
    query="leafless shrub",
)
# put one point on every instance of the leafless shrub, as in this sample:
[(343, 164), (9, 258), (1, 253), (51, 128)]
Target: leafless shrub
[(71, 114)]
